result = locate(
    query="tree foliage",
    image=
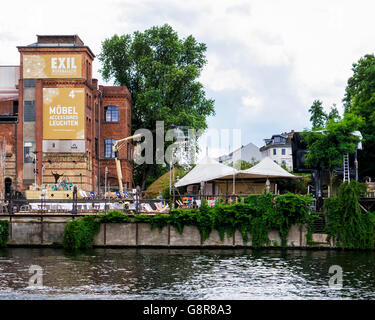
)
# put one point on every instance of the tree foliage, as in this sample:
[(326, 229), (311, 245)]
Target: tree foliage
[(243, 164), (327, 147), (318, 116), (161, 72), (360, 100), (346, 222)]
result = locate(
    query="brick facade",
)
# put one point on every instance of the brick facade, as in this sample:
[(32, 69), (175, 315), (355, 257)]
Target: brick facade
[(85, 169)]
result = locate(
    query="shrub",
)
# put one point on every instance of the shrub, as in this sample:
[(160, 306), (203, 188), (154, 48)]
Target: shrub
[(113, 216), (4, 232), (79, 233), (345, 220), (159, 221), (292, 209)]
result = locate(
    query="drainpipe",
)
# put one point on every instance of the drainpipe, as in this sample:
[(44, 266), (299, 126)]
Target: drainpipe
[(99, 138)]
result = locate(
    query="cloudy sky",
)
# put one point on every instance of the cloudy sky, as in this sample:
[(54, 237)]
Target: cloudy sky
[(267, 59)]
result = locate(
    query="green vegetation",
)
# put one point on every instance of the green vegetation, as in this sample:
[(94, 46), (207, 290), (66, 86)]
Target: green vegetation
[(326, 149), (254, 218), (243, 165), (345, 222), (79, 233), (161, 71), (4, 232), (293, 209), (359, 100), (113, 216)]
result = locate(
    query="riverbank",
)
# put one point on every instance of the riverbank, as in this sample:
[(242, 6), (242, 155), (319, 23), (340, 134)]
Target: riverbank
[(32, 231)]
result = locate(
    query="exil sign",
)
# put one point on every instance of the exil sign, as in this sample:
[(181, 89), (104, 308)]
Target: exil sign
[(44, 66), (63, 64)]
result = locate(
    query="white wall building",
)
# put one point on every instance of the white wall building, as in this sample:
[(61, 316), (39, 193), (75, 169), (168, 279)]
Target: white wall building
[(279, 149), (249, 153)]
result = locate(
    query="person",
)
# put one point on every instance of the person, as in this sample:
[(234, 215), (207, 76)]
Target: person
[(7, 206)]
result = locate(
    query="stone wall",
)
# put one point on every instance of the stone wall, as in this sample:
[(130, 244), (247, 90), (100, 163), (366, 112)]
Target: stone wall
[(46, 231)]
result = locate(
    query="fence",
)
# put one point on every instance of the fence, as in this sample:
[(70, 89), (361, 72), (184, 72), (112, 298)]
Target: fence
[(75, 206)]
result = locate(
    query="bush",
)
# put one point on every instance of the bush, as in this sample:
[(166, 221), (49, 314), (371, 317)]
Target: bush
[(292, 209), (113, 216), (4, 232), (345, 220), (159, 221), (255, 217), (79, 233)]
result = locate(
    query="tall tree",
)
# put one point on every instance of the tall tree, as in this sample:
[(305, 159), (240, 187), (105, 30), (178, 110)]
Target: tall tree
[(333, 114), (327, 147), (161, 72), (318, 116), (360, 100)]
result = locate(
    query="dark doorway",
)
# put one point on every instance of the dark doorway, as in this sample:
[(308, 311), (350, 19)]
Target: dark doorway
[(8, 187)]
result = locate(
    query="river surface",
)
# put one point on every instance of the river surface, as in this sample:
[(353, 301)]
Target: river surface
[(185, 274)]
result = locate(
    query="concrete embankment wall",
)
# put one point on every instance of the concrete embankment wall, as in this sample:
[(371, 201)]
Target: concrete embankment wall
[(34, 232)]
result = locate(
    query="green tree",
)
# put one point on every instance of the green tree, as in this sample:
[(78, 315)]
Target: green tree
[(318, 116), (327, 147), (360, 100), (333, 114), (243, 165), (161, 72)]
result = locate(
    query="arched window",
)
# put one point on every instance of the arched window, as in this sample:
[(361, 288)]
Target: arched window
[(111, 114)]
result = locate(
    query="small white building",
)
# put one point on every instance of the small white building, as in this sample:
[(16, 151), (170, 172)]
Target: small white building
[(249, 153), (279, 149)]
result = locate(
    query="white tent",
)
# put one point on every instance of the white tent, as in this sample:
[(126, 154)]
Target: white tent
[(266, 169), (206, 170)]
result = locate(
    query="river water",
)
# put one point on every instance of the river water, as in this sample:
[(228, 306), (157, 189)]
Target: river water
[(185, 274)]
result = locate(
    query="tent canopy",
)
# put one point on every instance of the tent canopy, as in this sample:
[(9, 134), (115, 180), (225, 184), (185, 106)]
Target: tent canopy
[(206, 170), (266, 169)]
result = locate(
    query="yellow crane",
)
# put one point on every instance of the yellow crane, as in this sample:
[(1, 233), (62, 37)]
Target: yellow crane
[(117, 145)]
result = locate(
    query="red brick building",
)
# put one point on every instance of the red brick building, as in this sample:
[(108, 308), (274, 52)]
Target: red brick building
[(54, 112)]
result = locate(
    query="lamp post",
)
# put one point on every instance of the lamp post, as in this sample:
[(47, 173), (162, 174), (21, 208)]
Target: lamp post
[(356, 164), (105, 182), (268, 184), (138, 189)]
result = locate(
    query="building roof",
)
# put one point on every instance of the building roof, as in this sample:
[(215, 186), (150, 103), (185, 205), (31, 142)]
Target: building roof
[(250, 150), (208, 169), (57, 41), (270, 143), (266, 169)]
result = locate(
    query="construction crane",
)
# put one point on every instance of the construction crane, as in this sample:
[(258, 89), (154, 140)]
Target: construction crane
[(117, 145)]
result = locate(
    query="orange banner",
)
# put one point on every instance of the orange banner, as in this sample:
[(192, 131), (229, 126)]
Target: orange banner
[(52, 66), (63, 113)]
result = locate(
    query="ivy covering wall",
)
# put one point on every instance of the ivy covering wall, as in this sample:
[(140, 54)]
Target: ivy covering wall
[(346, 222), (4, 232), (254, 218)]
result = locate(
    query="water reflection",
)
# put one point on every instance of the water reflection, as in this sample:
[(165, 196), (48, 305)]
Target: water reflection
[(186, 274)]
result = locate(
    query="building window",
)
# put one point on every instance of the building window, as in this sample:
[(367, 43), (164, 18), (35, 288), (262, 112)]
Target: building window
[(28, 152), (111, 114), (29, 83), (108, 148), (29, 111), (96, 148), (274, 152), (283, 152)]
